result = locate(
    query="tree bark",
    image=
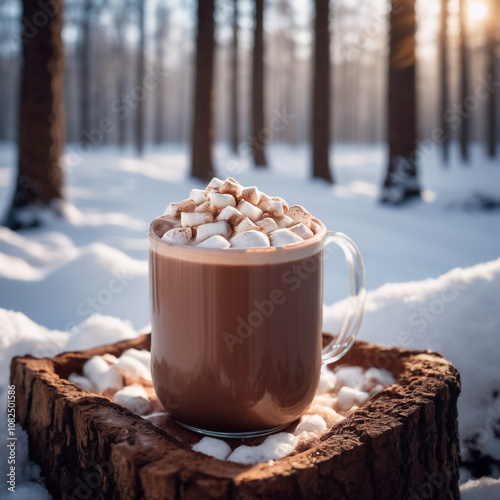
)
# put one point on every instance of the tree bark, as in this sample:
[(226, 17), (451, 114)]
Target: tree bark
[(464, 82), (120, 54), (492, 69), (401, 182), (161, 32), (401, 444), (202, 137), (235, 142), (40, 179), (321, 93), (443, 78), (141, 71), (85, 67), (260, 134)]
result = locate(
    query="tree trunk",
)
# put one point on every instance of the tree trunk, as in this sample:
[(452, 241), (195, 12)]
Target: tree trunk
[(202, 138), (41, 119), (492, 69), (401, 182), (291, 77), (234, 84), (161, 32), (464, 82), (122, 73), (443, 78), (321, 93), (141, 71), (85, 66), (260, 135)]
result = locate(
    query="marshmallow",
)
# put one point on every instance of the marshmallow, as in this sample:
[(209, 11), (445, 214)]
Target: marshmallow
[(102, 375), (178, 235), (275, 208), (328, 414), (231, 187), (218, 201), (213, 228), (175, 209), (283, 221), (245, 225), (203, 208), (195, 218), (227, 212), (251, 211), (310, 423), (273, 447), (197, 195), (110, 358), (348, 397), (264, 202), (267, 225), (143, 356), (251, 194), (82, 382), (212, 447), (216, 241), (250, 239), (300, 215), (95, 368), (384, 377), (134, 398), (214, 184), (112, 380), (283, 203), (283, 237), (351, 376), (302, 231), (132, 369), (327, 380)]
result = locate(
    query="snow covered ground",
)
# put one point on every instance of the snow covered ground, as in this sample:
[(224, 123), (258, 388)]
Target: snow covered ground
[(83, 281)]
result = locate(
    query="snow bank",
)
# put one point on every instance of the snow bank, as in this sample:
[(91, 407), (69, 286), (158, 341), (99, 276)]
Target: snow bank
[(485, 488), (19, 336), (457, 315), (29, 482)]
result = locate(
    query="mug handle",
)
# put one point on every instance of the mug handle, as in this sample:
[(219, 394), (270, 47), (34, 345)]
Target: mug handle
[(352, 321)]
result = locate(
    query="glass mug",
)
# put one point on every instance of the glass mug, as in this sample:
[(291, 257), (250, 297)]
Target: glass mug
[(236, 340)]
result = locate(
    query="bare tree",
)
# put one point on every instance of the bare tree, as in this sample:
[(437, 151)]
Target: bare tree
[(202, 138), (121, 17), (259, 140), (141, 71), (321, 93), (401, 182), (39, 180), (443, 78), (492, 69), (234, 83), (85, 67), (162, 19), (464, 81)]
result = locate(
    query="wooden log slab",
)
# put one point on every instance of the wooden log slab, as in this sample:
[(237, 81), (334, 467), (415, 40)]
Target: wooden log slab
[(402, 444)]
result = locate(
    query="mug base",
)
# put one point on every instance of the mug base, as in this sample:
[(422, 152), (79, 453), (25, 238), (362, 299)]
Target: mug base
[(232, 435)]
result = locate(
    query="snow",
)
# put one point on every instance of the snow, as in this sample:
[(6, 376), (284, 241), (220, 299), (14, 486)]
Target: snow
[(485, 488), (432, 267)]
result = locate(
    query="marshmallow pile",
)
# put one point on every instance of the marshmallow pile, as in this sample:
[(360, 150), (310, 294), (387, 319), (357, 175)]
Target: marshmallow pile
[(338, 393), (127, 381), (226, 214), (121, 379)]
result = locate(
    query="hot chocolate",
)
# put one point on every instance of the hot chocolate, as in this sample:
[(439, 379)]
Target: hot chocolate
[(236, 345), (236, 281)]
